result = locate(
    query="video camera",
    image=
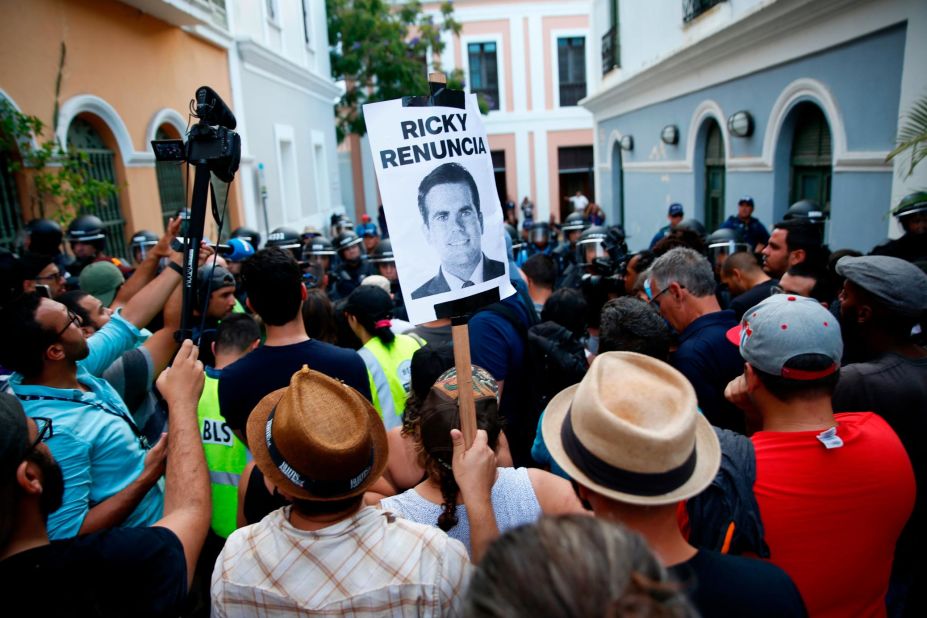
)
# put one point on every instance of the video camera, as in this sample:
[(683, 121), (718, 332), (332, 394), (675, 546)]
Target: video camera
[(210, 142), (212, 147)]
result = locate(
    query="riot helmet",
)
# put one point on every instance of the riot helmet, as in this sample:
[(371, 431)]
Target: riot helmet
[(383, 252), (385, 260), (806, 210), (540, 234), (44, 236), (693, 225), (251, 235), (912, 210), (344, 243), (285, 238), (591, 247), (86, 229), (340, 224), (724, 242), (142, 241)]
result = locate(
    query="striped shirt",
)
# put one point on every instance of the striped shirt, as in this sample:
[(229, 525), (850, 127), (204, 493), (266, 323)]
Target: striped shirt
[(370, 564)]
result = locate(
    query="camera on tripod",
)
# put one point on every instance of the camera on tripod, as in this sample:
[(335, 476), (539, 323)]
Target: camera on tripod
[(210, 142), (213, 148)]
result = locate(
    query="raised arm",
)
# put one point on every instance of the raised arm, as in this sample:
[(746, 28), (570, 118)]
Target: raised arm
[(187, 501), (147, 270), (475, 473)]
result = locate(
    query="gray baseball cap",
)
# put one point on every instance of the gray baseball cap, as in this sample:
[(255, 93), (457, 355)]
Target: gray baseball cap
[(784, 326), (899, 284)]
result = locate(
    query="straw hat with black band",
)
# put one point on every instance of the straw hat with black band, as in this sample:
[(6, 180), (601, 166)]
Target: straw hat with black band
[(318, 439), (631, 431)]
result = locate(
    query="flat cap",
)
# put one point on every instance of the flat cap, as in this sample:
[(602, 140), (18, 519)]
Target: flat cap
[(899, 284)]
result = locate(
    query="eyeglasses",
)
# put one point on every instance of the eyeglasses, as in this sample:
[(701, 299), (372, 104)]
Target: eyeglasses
[(72, 318), (45, 431), (52, 277), (652, 299)]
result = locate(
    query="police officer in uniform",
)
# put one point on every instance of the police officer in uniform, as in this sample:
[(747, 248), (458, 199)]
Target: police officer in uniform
[(288, 239), (351, 269), (318, 253), (383, 262), (565, 252), (88, 243), (911, 213)]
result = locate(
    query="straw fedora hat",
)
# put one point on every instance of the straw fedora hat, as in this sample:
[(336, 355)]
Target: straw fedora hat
[(318, 439), (631, 431)]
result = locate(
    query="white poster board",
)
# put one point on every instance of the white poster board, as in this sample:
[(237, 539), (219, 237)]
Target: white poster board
[(445, 223)]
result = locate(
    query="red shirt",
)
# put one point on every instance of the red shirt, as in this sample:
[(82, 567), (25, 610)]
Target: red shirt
[(832, 516)]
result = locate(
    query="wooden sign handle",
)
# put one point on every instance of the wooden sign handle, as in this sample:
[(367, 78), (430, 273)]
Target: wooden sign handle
[(461, 337)]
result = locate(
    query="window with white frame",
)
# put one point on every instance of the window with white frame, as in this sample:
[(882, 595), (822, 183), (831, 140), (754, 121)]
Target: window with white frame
[(290, 202), (320, 172), (571, 63), (484, 72)]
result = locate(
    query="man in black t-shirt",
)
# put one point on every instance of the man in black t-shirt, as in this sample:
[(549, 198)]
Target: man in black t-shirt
[(881, 301), (669, 453), (274, 285), (117, 572)]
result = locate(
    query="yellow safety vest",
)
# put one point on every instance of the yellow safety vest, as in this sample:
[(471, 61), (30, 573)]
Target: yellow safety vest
[(226, 458), (390, 373)]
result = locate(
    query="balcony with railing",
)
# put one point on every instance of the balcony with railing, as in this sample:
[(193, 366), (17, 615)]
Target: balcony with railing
[(693, 8), (611, 51)]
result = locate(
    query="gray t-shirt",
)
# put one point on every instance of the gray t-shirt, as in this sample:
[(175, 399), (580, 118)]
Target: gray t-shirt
[(513, 501)]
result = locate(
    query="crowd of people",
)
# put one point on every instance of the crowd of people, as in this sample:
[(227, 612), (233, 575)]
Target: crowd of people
[(720, 424)]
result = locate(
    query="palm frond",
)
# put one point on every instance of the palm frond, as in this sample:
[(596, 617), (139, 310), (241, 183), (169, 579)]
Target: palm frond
[(912, 136)]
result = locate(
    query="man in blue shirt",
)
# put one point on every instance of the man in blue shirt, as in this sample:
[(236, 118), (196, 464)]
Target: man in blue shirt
[(754, 233), (682, 286), (110, 475), (674, 215)]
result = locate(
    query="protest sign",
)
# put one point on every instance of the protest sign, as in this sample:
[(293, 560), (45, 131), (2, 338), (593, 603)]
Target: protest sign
[(436, 179)]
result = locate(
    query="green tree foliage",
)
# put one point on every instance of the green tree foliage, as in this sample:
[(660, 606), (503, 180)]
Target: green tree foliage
[(63, 185), (912, 136), (380, 49)]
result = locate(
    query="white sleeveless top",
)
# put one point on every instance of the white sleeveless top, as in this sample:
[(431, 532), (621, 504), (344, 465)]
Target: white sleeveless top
[(513, 501)]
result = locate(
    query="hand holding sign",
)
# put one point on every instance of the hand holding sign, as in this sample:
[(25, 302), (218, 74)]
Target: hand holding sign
[(447, 236)]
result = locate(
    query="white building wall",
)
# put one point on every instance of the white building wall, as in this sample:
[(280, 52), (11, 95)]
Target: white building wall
[(284, 95)]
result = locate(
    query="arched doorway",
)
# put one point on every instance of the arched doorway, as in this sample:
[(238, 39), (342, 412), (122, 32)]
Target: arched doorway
[(714, 176), (810, 161), (101, 163), (170, 179), (617, 185)]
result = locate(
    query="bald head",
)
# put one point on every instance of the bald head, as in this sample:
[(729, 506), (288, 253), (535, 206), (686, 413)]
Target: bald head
[(743, 261), (740, 272)]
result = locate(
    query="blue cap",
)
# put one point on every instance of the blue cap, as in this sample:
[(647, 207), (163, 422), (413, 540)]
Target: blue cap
[(746, 199), (675, 210), (367, 229)]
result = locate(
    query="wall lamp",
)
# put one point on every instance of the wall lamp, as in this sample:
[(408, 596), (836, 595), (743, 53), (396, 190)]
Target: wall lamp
[(740, 124), (670, 134), (627, 143)]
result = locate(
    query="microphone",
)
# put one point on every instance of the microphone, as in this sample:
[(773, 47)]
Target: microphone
[(236, 250)]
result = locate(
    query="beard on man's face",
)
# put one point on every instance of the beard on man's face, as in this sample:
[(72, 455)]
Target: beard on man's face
[(854, 350), (52, 482), (76, 350)]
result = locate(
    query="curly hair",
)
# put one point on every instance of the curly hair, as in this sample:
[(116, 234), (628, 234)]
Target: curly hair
[(438, 471)]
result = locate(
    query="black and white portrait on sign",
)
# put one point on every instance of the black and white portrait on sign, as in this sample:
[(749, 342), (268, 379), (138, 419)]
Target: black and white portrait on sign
[(452, 221), (436, 179)]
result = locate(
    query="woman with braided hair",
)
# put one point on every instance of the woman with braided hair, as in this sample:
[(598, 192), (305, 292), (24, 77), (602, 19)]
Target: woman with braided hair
[(519, 495), (388, 356)]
